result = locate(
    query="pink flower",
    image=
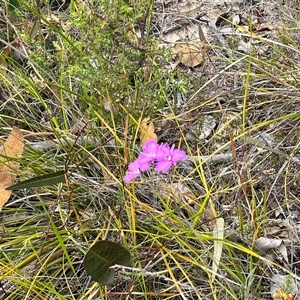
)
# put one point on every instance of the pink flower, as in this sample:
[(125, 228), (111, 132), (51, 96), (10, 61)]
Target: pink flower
[(163, 155), (149, 153), (143, 162), (133, 172), (150, 149), (168, 156)]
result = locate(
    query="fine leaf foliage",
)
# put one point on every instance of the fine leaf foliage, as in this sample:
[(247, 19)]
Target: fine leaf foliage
[(103, 255)]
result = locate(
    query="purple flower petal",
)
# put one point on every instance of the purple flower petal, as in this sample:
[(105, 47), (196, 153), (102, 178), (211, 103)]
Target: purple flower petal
[(143, 163), (150, 146), (150, 149), (163, 166), (177, 155), (167, 156), (129, 177), (134, 167), (163, 152), (133, 172)]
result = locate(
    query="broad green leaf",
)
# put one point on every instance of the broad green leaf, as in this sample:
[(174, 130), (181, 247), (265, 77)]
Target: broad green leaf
[(48, 179), (218, 233), (101, 256)]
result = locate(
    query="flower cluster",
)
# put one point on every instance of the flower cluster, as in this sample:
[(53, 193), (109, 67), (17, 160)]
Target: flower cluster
[(162, 155)]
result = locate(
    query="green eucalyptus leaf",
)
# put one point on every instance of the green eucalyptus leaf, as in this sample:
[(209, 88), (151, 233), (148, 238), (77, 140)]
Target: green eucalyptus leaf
[(48, 179), (101, 256)]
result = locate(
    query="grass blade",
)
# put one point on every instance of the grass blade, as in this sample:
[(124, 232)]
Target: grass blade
[(218, 233), (39, 181)]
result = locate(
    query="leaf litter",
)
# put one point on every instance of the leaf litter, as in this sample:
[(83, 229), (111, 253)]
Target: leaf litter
[(12, 149)]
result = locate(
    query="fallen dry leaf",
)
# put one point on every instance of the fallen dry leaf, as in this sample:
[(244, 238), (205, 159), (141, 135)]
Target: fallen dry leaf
[(15, 44), (3, 63), (263, 245), (147, 131), (188, 55), (11, 149), (265, 26)]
